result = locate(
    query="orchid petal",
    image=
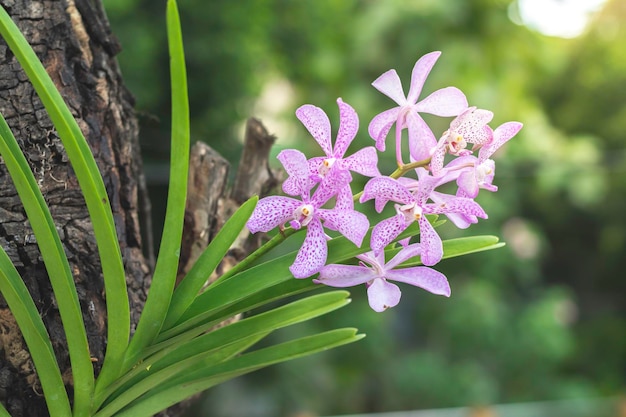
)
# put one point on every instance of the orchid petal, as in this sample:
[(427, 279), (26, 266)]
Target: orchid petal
[(390, 85), (271, 212), (348, 127), (501, 135), (344, 199), (352, 224), (420, 72), (461, 205), (383, 295), (467, 182), (384, 189), (459, 220), (432, 248), (380, 126), (421, 138), (445, 102), (386, 231), (312, 255), (427, 278), (330, 186), (318, 125), (296, 165), (406, 253), (342, 276), (364, 161)]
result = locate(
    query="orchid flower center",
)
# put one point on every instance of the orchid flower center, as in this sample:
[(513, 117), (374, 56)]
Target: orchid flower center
[(411, 212), (302, 216), (456, 143), (326, 166), (483, 171)]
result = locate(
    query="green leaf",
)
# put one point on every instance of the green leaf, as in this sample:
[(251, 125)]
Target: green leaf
[(55, 261), (164, 277), (34, 332), (190, 354), (98, 206), (195, 279), (204, 377), (457, 247)]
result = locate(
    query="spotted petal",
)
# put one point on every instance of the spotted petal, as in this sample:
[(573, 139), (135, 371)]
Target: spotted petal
[(312, 255), (348, 127), (350, 223), (501, 135), (364, 161), (386, 231), (432, 248), (318, 125), (271, 212), (384, 189), (296, 165)]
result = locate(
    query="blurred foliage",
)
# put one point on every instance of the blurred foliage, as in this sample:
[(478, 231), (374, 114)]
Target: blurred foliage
[(543, 318)]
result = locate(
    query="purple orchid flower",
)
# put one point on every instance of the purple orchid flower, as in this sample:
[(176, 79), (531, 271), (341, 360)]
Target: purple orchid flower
[(449, 101), (468, 127), (276, 211), (413, 207), (376, 274), (316, 121)]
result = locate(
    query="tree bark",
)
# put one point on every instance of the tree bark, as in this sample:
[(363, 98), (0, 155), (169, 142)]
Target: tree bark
[(73, 40)]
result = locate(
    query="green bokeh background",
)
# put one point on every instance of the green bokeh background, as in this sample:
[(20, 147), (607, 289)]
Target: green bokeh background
[(542, 319)]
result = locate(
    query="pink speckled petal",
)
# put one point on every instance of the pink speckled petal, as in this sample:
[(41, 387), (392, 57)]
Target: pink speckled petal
[(312, 255), (420, 72), (331, 184), (389, 84), (383, 295), (423, 277), (432, 248), (318, 125), (380, 126), (386, 231), (473, 126), (364, 161), (501, 135), (350, 223), (421, 138), (296, 165), (342, 276), (459, 220), (344, 199), (445, 102), (461, 205), (348, 127), (438, 158), (384, 189), (271, 212)]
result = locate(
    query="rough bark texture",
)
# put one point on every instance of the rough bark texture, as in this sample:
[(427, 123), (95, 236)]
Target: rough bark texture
[(73, 41)]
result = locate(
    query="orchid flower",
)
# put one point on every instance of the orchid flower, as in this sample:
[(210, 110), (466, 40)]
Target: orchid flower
[(376, 274), (277, 211), (364, 161), (449, 101), (413, 207)]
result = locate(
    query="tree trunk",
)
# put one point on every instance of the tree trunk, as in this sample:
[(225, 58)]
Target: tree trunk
[(73, 40)]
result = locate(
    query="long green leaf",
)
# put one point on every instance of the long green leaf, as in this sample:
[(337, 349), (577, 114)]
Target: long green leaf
[(96, 198), (187, 356), (210, 258), (34, 331), (56, 263), (164, 278), (179, 388)]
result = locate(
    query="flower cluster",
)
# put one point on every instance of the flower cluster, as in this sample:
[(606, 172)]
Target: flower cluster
[(313, 182)]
